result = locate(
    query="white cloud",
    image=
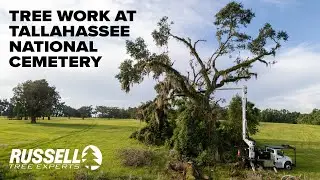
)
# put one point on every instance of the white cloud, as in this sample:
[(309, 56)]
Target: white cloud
[(292, 83), (304, 99)]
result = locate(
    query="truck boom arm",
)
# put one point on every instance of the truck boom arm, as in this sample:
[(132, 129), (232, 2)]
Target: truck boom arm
[(249, 142)]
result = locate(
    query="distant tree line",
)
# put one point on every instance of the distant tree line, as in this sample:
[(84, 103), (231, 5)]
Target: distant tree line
[(285, 116), (115, 112), (311, 118), (16, 111), (37, 99), (281, 116)]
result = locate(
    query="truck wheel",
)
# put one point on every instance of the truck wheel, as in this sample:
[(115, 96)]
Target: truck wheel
[(287, 165)]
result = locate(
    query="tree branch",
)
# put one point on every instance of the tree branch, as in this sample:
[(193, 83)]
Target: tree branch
[(219, 51), (232, 79), (194, 52), (243, 64), (200, 40), (195, 74)]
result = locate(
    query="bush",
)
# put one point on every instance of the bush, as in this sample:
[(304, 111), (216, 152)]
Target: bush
[(205, 158), (136, 157)]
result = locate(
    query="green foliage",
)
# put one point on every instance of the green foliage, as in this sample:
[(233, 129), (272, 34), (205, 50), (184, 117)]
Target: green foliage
[(115, 112), (193, 134), (35, 99), (312, 118), (235, 117), (68, 111), (279, 116), (151, 134), (85, 111), (158, 129), (230, 130), (204, 158)]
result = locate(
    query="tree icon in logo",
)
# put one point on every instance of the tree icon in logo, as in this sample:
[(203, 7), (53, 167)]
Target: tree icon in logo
[(92, 157)]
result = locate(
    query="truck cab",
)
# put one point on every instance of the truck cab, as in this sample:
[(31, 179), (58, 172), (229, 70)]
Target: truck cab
[(280, 160)]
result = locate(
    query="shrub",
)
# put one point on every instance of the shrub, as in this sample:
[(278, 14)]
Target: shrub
[(136, 157)]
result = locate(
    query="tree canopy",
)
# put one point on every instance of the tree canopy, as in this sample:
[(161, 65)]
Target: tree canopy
[(85, 111), (35, 98), (231, 21)]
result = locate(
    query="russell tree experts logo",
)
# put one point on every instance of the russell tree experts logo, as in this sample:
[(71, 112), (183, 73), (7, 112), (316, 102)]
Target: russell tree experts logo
[(90, 158)]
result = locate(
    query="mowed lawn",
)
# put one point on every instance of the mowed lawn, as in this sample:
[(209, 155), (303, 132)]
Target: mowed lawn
[(109, 136), (306, 139), (112, 135)]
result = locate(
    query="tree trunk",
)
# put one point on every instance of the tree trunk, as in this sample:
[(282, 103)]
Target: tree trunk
[(48, 117), (33, 120), (25, 118), (42, 117)]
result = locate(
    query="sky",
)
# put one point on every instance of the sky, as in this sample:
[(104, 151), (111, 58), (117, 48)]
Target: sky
[(293, 83)]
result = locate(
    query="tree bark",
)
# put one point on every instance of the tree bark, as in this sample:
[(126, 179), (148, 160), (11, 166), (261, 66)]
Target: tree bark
[(42, 117), (33, 120), (49, 118)]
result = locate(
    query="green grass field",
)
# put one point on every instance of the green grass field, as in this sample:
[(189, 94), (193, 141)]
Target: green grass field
[(112, 135), (108, 135)]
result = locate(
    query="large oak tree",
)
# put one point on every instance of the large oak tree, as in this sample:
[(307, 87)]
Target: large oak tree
[(36, 97), (196, 132), (242, 50)]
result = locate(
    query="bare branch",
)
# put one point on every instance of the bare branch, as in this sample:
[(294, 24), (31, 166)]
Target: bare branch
[(218, 52), (194, 52), (263, 61), (200, 40), (195, 74)]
